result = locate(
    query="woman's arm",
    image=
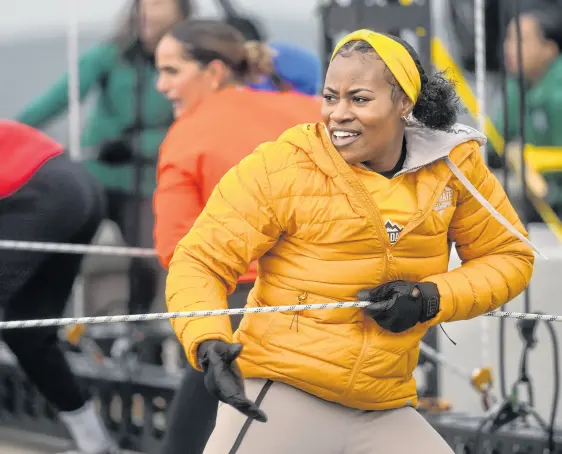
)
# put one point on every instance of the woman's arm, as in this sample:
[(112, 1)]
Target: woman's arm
[(177, 204), (497, 266), (92, 65), (237, 226)]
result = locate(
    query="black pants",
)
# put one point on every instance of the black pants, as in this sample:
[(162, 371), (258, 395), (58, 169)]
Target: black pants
[(135, 219), (194, 411), (136, 228), (61, 203)]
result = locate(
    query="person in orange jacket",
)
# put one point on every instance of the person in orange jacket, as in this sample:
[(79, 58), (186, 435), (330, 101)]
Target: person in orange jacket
[(205, 69), (363, 205)]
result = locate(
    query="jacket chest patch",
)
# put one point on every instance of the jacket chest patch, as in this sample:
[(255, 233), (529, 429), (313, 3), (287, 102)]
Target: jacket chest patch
[(445, 200), (393, 230)]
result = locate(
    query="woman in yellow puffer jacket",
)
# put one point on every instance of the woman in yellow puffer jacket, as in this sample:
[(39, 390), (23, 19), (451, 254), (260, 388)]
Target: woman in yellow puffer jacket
[(368, 202)]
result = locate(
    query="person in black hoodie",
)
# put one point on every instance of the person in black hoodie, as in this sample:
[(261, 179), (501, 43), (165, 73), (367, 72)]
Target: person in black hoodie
[(45, 197)]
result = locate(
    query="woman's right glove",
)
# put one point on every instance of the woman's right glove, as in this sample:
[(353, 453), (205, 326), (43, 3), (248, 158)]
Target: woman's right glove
[(223, 378), (400, 305)]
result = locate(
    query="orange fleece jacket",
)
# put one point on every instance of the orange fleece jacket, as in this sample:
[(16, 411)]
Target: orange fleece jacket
[(206, 142)]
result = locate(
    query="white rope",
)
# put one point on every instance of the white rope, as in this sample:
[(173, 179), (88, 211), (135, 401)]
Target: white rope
[(248, 310), (77, 248), (97, 249)]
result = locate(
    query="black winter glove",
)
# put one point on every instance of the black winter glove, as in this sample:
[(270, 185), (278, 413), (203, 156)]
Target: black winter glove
[(399, 305), (115, 152), (223, 378)]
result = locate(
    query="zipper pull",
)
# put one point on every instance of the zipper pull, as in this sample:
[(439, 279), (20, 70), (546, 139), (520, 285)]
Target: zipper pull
[(302, 298), (389, 255)]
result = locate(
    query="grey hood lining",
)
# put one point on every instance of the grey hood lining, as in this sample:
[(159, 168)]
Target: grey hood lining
[(425, 146)]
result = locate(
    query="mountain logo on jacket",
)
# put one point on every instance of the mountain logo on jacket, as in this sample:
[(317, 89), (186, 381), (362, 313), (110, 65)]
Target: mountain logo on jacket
[(393, 230), (445, 200)]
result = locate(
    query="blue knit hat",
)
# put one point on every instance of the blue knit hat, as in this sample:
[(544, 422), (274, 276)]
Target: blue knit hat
[(295, 65)]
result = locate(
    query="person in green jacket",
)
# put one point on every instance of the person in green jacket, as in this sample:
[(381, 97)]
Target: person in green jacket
[(128, 122), (541, 42)]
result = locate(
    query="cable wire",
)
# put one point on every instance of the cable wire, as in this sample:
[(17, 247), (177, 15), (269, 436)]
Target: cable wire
[(503, 16)]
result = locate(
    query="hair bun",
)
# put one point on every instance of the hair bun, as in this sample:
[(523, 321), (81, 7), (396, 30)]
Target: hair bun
[(259, 58)]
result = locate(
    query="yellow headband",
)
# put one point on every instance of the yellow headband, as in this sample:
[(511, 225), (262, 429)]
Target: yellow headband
[(395, 56)]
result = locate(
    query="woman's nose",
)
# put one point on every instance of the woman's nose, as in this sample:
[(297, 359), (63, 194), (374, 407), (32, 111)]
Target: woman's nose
[(161, 85), (341, 112)]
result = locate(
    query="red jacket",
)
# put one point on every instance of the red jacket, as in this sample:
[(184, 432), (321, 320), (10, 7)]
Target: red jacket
[(23, 150), (205, 143)]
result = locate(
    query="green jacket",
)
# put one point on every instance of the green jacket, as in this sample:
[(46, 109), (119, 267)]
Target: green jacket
[(543, 120), (104, 68)]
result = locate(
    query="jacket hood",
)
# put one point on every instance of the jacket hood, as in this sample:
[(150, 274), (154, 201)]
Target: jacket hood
[(426, 145)]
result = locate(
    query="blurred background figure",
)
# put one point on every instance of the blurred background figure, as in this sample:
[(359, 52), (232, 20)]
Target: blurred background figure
[(44, 196), (205, 67), (294, 69), (125, 128), (541, 43)]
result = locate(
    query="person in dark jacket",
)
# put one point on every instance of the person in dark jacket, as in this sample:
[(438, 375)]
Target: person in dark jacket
[(128, 122), (46, 197)]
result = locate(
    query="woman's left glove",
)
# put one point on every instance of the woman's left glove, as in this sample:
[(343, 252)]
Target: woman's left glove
[(399, 305), (223, 378)]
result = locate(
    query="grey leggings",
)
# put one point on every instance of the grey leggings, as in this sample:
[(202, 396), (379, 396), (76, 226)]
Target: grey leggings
[(300, 423)]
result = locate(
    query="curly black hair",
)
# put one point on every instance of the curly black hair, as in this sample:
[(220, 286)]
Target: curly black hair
[(437, 106)]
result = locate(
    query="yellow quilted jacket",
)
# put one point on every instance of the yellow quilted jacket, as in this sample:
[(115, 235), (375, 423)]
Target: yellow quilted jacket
[(295, 205)]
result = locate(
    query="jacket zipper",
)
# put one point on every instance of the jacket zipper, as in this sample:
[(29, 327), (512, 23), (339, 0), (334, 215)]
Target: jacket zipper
[(388, 258), (358, 363), (377, 221)]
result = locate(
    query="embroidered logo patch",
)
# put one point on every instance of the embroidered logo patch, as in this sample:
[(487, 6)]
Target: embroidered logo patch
[(445, 201), (393, 230)]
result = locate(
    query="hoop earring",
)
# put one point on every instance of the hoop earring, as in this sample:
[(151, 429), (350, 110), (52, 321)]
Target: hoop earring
[(403, 118)]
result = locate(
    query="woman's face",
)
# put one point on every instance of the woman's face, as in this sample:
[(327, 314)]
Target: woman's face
[(156, 18), (537, 52), (184, 82), (360, 110)]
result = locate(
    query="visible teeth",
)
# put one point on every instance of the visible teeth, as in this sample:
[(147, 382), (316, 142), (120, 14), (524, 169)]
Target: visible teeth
[(345, 134)]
